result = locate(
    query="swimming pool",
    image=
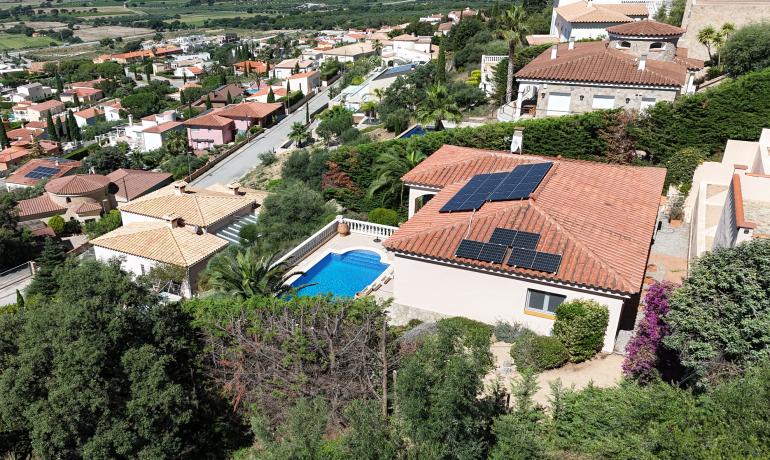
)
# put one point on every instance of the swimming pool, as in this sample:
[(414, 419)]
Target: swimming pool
[(342, 275), (415, 130)]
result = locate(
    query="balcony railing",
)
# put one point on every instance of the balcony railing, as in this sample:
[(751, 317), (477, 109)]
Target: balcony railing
[(328, 231)]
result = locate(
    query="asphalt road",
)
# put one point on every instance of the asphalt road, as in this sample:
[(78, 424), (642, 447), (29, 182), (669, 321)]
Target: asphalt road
[(239, 163)]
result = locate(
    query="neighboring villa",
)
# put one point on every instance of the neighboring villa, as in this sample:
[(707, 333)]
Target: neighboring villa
[(353, 96), (179, 226), (134, 183), (349, 53), (87, 117), (729, 201), (247, 114), (219, 97), (412, 49), (38, 169), (288, 67), (37, 112), (250, 67), (555, 230), (639, 66), (85, 95), (488, 66), (82, 197), (264, 91), (220, 126), (586, 19), (20, 150), (32, 92), (306, 82)]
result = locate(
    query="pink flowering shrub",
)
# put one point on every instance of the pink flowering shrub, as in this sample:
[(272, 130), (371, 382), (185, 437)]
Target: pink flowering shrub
[(643, 349)]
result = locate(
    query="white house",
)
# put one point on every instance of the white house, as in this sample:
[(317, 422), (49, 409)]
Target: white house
[(582, 19), (535, 232), (307, 82), (729, 201), (488, 65), (412, 49), (349, 53), (178, 226), (288, 67), (154, 137), (31, 92)]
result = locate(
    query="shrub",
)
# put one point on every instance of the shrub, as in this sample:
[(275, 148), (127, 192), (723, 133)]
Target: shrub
[(397, 121), (677, 208), (248, 233), (384, 216), (507, 332), (748, 49), (106, 224), (57, 224), (681, 167), (538, 352), (268, 158), (580, 325), (72, 227), (644, 348)]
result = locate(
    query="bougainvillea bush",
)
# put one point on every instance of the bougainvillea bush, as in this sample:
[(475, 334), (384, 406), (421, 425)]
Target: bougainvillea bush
[(643, 349)]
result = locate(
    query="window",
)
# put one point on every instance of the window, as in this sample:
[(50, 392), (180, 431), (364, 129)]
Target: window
[(543, 301), (624, 45), (646, 103), (603, 102), (657, 46)]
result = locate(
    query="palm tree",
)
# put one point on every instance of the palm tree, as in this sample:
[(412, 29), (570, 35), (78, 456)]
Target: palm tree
[(377, 47), (515, 23), (369, 108), (389, 167), (176, 143), (239, 272), (727, 29), (298, 133), (706, 37), (438, 105)]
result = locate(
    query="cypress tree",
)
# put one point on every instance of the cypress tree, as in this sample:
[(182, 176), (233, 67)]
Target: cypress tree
[(51, 257), (184, 77), (270, 95), (441, 64), (208, 101), (3, 136), (307, 113), (229, 98), (222, 79), (296, 67), (72, 127), (148, 71), (288, 88), (59, 84), (51, 128), (60, 131), (76, 99)]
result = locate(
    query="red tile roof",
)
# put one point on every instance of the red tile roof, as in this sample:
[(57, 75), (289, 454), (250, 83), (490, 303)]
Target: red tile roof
[(254, 66), (600, 217), (47, 105), (585, 12), (163, 127), (89, 113), (250, 110), (41, 206), (86, 207), (78, 184), (304, 74), (646, 28), (133, 183), (595, 62), (64, 166), (209, 120)]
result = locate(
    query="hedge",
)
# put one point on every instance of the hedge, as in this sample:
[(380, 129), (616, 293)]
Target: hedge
[(580, 325), (537, 352), (384, 216)]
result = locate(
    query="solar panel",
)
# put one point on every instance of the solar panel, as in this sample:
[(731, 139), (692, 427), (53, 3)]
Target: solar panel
[(521, 257), (514, 238), (41, 172), (547, 262), (473, 194), (491, 252), (521, 182), (469, 249)]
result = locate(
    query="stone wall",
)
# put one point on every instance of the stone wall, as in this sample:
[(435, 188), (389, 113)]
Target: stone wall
[(588, 92), (639, 47)]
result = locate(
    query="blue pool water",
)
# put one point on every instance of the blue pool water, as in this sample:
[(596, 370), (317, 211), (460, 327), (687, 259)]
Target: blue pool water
[(342, 275), (416, 130)]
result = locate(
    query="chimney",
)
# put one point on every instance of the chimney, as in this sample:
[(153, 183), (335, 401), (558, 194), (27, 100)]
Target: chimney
[(571, 45), (234, 187), (517, 141), (130, 119), (642, 62), (173, 221), (180, 187), (554, 49)]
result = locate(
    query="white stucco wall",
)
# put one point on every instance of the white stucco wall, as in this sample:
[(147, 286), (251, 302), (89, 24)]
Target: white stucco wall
[(485, 297)]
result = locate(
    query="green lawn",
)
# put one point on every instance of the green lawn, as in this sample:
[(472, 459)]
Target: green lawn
[(13, 42), (198, 19)]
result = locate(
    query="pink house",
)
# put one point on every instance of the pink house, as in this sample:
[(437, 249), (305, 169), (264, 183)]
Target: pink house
[(247, 114), (209, 130)]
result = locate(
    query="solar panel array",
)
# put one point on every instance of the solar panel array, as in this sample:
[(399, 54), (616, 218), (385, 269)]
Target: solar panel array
[(42, 172), (523, 253), (517, 184)]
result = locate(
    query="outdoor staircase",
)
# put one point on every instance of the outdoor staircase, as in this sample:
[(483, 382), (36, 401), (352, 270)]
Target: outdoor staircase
[(361, 260), (232, 232)]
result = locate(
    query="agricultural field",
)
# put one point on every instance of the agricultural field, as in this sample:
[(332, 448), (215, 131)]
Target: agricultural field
[(15, 42), (89, 34)]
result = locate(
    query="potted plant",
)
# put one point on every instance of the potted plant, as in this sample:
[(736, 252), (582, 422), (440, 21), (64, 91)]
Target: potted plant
[(676, 213)]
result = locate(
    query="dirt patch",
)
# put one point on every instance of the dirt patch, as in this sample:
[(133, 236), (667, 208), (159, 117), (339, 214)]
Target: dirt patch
[(97, 33), (603, 371)]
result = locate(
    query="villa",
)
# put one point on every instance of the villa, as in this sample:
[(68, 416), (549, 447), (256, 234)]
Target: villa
[(82, 197), (219, 97), (208, 130), (247, 114), (87, 117), (588, 19), (37, 112), (412, 49), (349, 53), (306, 82), (637, 67), (729, 201), (134, 183), (250, 67), (180, 226), (288, 67), (38, 169), (20, 150)]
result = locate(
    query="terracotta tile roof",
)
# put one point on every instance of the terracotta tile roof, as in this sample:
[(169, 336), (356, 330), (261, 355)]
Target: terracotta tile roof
[(445, 26), (595, 62), (404, 38), (86, 84), (304, 74), (12, 153), (195, 70), (600, 217), (278, 91), (19, 176), (78, 184), (41, 206), (583, 12), (646, 28), (133, 183), (250, 110), (133, 54), (24, 134), (254, 66), (211, 120), (542, 39), (47, 105), (196, 206), (85, 92), (86, 207), (159, 242), (89, 113), (36, 125), (161, 50), (163, 127), (350, 50)]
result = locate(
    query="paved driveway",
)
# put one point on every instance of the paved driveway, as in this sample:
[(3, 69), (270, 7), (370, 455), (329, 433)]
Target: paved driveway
[(239, 163)]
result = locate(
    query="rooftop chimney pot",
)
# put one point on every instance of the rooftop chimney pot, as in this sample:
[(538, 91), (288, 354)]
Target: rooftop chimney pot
[(642, 62), (571, 43), (180, 187), (554, 51)]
